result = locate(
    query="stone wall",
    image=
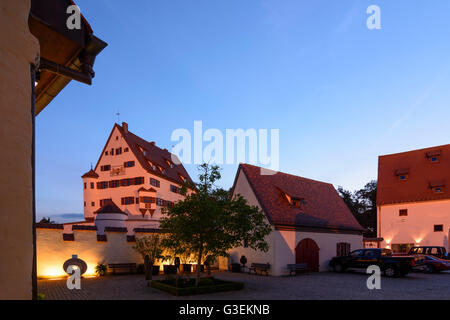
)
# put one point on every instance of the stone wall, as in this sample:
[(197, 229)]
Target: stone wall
[(54, 247)]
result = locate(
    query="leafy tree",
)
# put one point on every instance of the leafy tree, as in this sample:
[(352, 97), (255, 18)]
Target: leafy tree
[(208, 222), (362, 203), (151, 250), (47, 220)]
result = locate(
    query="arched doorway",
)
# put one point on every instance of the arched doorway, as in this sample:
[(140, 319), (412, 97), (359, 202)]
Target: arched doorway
[(307, 251)]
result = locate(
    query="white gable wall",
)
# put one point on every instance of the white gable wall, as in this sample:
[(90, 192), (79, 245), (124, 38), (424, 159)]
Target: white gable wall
[(95, 195), (283, 243)]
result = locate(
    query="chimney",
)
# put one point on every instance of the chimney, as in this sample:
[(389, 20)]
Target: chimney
[(125, 127)]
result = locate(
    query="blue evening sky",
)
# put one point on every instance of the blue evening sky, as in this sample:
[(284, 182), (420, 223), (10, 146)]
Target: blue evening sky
[(340, 94)]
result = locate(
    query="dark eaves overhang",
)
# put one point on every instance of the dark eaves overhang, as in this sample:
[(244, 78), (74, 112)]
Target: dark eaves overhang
[(65, 54)]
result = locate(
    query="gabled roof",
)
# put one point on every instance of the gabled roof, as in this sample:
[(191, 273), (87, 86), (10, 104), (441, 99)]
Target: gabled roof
[(90, 174), (422, 175), (153, 154), (321, 205), (110, 207)]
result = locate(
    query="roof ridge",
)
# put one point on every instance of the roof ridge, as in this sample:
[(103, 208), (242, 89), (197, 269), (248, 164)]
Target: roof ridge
[(288, 174), (415, 150)]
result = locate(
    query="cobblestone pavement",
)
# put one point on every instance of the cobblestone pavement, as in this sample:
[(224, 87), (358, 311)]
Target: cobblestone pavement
[(326, 285)]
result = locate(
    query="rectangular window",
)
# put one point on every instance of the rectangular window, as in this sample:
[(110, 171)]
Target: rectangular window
[(92, 185), (159, 202), (85, 203), (128, 164), (119, 151), (438, 227), (147, 200), (92, 204), (102, 185), (174, 189), (126, 182), (105, 167), (403, 212), (155, 182), (114, 183), (126, 149), (85, 185), (106, 153), (127, 200), (138, 180), (112, 151), (137, 200), (104, 202), (342, 249)]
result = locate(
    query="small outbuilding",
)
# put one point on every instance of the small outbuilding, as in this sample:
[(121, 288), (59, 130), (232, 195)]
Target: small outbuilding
[(310, 222)]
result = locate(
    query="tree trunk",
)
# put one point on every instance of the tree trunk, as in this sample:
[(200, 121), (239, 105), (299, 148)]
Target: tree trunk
[(199, 262), (148, 266)]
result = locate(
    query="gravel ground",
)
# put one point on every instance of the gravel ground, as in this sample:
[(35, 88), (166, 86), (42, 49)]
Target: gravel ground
[(325, 285)]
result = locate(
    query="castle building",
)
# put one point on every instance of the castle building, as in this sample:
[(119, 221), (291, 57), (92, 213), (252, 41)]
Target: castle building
[(135, 178), (413, 200)]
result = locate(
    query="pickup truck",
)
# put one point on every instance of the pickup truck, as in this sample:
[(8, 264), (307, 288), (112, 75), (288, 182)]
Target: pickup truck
[(363, 258)]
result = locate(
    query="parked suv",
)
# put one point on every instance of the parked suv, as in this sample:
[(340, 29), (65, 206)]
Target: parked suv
[(363, 258)]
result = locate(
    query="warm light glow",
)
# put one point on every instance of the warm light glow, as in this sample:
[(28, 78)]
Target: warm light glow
[(388, 241), (418, 241), (387, 247)]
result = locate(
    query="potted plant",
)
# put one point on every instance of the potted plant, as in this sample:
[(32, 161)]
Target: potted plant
[(235, 267), (155, 270), (100, 269), (150, 249), (185, 259), (243, 261)]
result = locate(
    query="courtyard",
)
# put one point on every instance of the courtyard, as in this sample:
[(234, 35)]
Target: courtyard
[(324, 285)]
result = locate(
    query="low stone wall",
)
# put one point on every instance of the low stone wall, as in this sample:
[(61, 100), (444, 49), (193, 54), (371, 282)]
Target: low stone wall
[(54, 247)]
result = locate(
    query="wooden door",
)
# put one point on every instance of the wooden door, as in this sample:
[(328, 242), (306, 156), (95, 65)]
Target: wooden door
[(307, 251)]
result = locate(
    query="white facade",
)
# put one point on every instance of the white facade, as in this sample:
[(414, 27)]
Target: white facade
[(283, 243), (135, 218), (417, 227)]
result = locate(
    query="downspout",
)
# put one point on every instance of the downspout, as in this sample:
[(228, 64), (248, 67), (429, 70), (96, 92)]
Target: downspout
[(33, 182)]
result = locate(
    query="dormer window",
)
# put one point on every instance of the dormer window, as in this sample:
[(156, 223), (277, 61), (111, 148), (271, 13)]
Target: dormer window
[(169, 163), (434, 156), (295, 203), (402, 174), (437, 186)]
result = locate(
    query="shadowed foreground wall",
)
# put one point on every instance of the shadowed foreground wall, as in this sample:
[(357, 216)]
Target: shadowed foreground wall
[(18, 50)]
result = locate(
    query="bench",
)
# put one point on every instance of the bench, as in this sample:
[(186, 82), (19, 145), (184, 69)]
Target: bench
[(211, 268), (129, 266), (297, 267), (263, 267)]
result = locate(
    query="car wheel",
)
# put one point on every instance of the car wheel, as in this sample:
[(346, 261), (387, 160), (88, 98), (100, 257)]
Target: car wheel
[(338, 268), (429, 269), (390, 272)]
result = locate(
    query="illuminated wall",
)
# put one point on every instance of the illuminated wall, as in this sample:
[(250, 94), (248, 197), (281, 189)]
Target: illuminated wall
[(417, 227), (53, 251)]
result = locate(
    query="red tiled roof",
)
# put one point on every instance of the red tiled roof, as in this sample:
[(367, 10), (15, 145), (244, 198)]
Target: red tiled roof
[(321, 208), (153, 154), (422, 175), (90, 174)]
